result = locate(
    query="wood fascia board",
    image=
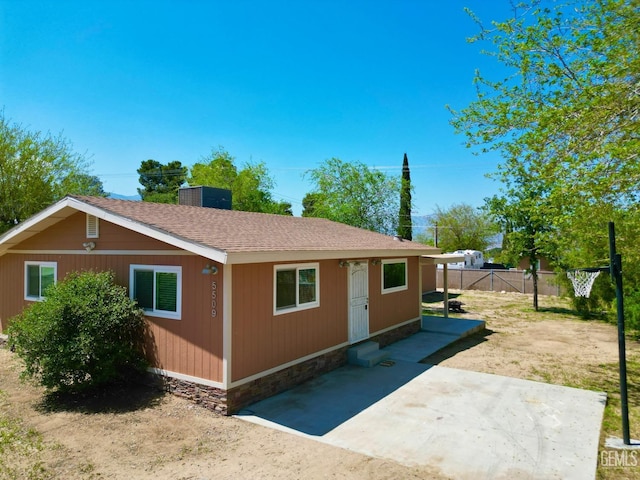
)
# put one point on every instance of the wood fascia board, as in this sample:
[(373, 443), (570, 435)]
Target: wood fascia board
[(237, 258), (441, 259), (35, 224), (211, 253), (68, 206)]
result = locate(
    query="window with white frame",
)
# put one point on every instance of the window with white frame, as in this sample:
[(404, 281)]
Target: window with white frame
[(37, 278), (157, 289), (394, 275), (296, 287)]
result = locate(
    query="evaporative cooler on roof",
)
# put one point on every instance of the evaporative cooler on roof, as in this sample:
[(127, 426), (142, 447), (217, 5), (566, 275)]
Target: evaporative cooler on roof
[(205, 197)]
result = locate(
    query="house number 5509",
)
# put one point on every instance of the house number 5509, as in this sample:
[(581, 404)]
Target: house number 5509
[(214, 299)]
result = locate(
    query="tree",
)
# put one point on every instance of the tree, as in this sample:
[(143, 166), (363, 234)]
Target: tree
[(571, 105), (526, 217), (86, 333), (404, 220), (36, 170), (462, 227), (250, 187), (217, 170), (84, 184), (161, 182), (309, 204), (567, 115), (353, 194)]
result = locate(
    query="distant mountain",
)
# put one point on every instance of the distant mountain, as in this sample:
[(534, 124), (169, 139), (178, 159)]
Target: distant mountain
[(117, 196)]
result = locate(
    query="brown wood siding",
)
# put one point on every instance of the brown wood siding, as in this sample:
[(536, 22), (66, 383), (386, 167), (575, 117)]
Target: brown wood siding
[(393, 308), (191, 346), (71, 233), (428, 278), (262, 340)]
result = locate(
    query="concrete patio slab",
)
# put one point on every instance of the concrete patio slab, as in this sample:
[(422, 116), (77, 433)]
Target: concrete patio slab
[(452, 326), (470, 425)]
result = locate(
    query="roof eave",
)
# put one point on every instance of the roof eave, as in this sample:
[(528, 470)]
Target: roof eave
[(238, 258), (70, 205), (440, 259), (35, 224)]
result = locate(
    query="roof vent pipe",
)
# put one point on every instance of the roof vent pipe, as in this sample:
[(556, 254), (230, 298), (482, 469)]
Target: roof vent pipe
[(397, 237)]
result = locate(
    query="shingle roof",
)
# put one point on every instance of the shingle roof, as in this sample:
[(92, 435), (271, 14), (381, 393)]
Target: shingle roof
[(236, 231), (228, 236)]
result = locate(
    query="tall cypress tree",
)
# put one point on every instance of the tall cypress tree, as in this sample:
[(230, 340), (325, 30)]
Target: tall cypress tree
[(404, 223)]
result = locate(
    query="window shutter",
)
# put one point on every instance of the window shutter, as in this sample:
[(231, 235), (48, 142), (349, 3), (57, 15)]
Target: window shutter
[(92, 226), (166, 291)]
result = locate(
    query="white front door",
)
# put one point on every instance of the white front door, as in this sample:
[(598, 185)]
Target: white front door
[(358, 301)]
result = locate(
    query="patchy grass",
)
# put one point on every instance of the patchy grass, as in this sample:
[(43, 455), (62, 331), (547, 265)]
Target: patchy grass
[(20, 448)]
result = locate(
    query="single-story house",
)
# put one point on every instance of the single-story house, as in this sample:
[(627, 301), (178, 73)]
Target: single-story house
[(240, 305)]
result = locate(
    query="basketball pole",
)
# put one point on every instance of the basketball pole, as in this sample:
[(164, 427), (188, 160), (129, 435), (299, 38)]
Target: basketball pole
[(616, 275)]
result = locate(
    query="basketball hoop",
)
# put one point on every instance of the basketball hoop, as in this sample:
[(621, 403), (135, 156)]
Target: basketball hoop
[(582, 281)]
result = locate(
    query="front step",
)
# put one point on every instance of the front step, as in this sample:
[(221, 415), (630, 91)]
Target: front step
[(367, 354)]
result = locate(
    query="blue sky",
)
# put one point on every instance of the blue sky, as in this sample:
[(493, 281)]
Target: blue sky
[(289, 83)]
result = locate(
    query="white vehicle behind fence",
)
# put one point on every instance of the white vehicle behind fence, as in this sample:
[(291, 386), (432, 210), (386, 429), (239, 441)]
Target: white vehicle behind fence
[(472, 259)]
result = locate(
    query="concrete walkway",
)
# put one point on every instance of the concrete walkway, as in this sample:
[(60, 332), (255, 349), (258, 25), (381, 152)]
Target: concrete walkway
[(436, 333), (469, 424)]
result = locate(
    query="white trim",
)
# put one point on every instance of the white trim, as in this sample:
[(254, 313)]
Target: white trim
[(103, 252), (170, 239), (233, 258), (227, 324), (93, 231), (177, 315), (441, 259), (420, 287), (40, 264), (264, 373), (186, 378), (390, 261), (26, 226), (316, 255), (68, 205), (297, 267)]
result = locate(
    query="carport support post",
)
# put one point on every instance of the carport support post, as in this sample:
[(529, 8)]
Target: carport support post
[(616, 275), (445, 281)]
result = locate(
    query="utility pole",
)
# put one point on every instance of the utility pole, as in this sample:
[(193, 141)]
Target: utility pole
[(435, 236)]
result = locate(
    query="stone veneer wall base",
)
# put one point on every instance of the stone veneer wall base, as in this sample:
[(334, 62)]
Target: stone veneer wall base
[(392, 336), (232, 401)]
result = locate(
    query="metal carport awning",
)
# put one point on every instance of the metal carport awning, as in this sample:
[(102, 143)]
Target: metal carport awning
[(444, 259)]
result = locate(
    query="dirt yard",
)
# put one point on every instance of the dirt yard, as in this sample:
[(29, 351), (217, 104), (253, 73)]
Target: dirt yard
[(145, 434)]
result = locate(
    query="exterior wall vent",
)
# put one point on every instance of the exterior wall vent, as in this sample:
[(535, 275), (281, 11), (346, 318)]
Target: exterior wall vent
[(93, 226), (205, 197)]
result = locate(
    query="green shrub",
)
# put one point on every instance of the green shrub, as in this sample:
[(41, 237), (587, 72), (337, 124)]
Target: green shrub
[(632, 310), (86, 333)]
